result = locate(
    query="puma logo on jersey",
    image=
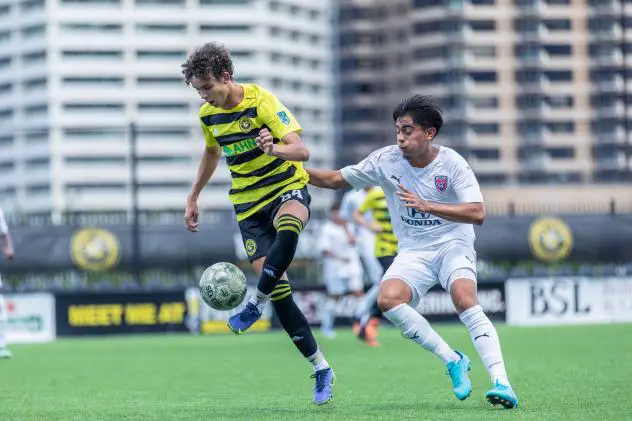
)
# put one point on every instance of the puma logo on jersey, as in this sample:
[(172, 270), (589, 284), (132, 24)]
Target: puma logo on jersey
[(396, 178)]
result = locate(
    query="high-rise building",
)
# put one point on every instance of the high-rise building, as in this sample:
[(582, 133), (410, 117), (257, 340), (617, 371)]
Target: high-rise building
[(532, 90), (74, 74)]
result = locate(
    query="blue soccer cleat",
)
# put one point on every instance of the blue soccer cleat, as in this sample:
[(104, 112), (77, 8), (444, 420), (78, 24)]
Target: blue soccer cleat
[(324, 384), (502, 394), (461, 384), (241, 322)]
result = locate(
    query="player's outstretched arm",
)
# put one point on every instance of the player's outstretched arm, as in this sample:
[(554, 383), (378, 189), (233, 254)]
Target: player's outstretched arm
[(467, 213), (208, 164), (327, 179)]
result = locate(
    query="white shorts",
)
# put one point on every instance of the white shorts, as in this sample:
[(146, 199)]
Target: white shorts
[(338, 284), (421, 270)]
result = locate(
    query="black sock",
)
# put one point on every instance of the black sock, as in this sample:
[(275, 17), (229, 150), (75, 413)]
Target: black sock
[(292, 320), (281, 253)]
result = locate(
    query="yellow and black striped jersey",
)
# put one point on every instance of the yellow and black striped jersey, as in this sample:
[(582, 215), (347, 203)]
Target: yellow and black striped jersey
[(385, 241), (257, 178)]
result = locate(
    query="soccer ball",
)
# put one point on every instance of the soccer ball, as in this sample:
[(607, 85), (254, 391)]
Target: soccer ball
[(223, 286)]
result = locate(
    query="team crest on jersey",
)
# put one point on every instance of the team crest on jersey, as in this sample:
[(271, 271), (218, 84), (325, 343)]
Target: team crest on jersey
[(245, 125), (283, 117), (441, 183)]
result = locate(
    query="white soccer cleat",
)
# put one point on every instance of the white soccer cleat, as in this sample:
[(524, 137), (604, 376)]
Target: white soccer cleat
[(5, 353)]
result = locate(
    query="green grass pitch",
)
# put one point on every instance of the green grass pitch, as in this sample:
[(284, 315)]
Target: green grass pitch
[(560, 373)]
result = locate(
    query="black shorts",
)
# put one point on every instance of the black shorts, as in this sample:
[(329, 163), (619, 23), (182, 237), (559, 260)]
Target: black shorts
[(386, 262), (257, 231)]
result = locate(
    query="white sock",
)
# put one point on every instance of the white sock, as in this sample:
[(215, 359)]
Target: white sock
[(415, 327), (327, 318), (367, 301), (260, 300), (318, 361), (3, 343), (486, 342)]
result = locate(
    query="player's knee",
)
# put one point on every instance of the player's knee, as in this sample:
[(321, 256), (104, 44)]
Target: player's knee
[(463, 293), (393, 292)]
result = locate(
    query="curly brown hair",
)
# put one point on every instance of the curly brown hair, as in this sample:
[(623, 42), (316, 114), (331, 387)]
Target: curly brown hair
[(211, 59)]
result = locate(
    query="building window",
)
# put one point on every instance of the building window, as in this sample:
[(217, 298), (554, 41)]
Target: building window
[(152, 81), (485, 154), (561, 153), (561, 127), (91, 28), (163, 28), (93, 55), (93, 81), (95, 134), (38, 189), (34, 58), (91, 161), (33, 31), (37, 84), (163, 107), (37, 163), (94, 107), (152, 3), (96, 188), (161, 55), (559, 75), (486, 128)]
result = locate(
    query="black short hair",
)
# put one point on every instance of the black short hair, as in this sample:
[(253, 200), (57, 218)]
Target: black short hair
[(210, 59), (422, 109)]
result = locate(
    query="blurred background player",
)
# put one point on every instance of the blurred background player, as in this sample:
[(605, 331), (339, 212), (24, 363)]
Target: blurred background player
[(7, 250), (261, 141), (384, 249), (364, 240), (341, 267)]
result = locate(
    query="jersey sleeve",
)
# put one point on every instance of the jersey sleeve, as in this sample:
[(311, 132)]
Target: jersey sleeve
[(279, 120), (209, 139), (4, 230), (464, 182), (364, 173)]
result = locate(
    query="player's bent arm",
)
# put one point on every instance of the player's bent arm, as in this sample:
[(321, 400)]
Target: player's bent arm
[(327, 179), (468, 213), (293, 148), (208, 164)]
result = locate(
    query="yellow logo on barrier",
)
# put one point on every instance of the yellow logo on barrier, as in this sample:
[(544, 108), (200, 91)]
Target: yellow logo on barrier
[(550, 239), (94, 249)]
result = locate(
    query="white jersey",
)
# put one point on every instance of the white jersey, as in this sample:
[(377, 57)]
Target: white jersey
[(447, 179), (333, 238)]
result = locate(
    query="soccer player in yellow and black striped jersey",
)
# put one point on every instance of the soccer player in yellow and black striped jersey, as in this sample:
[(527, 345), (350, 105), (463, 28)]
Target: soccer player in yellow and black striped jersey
[(385, 251), (261, 141)]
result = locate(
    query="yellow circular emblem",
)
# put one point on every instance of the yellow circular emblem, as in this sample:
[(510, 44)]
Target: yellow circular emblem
[(251, 247), (245, 125), (550, 239), (94, 249)]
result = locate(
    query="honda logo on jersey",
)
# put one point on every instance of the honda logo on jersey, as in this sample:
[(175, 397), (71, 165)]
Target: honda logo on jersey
[(415, 214), (415, 218)]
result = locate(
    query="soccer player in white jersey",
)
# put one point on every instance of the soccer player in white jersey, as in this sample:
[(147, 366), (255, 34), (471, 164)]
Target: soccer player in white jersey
[(433, 199), (341, 267), (7, 249), (365, 242)]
